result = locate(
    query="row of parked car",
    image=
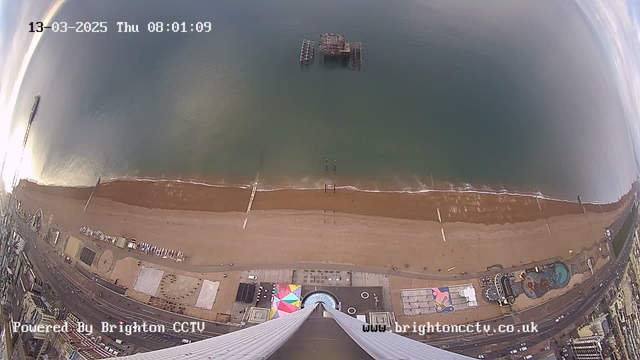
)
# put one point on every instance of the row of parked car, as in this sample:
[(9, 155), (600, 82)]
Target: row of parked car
[(98, 340), (523, 348), (97, 234), (164, 253)]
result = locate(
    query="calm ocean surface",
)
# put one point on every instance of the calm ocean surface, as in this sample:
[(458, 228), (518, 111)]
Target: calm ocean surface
[(487, 93)]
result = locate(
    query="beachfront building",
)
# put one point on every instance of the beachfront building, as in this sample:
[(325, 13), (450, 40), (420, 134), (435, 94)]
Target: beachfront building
[(318, 329), (71, 344), (35, 312), (588, 348)]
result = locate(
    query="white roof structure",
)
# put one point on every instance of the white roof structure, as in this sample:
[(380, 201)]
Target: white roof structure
[(148, 280), (263, 340), (207, 295), (470, 294), (387, 345), (256, 342)]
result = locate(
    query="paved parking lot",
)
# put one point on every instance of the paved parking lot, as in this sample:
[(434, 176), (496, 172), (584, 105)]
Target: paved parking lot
[(281, 276), (322, 277)]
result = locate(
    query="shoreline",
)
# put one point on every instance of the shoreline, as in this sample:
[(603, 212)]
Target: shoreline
[(368, 229), (444, 206), (451, 188), (486, 190)]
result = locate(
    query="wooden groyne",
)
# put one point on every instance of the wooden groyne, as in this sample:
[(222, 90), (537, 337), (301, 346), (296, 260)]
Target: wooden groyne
[(90, 196)]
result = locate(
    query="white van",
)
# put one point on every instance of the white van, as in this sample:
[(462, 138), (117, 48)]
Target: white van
[(186, 341), (252, 277), (118, 341)]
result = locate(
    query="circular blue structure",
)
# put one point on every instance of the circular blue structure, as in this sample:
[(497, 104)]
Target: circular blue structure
[(562, 274), (320, 297)]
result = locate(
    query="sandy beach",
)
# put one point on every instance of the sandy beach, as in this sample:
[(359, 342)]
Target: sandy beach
[(371, 229)]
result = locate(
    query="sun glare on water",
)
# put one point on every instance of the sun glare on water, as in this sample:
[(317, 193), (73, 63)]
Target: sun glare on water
[(13, 159), (13, 148)]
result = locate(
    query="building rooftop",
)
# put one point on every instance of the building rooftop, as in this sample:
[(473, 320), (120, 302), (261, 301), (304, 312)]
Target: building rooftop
[(83, 344), (40, 304)]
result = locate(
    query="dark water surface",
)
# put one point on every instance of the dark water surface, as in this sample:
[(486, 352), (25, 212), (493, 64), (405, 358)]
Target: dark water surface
[(487, 93)]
